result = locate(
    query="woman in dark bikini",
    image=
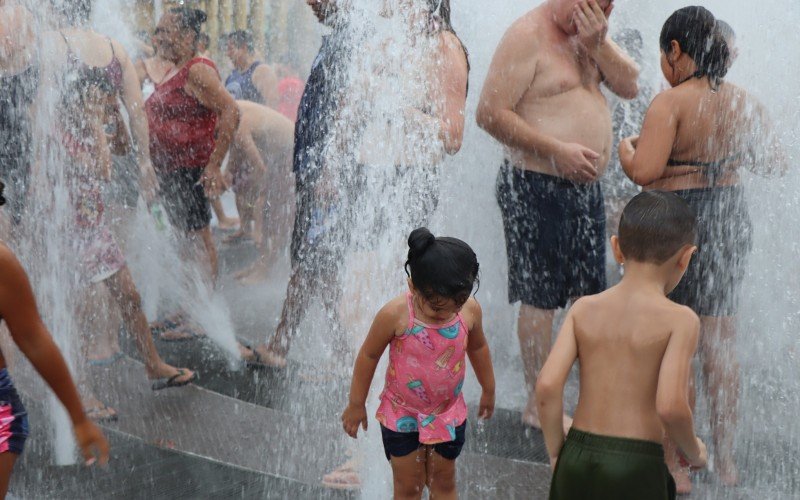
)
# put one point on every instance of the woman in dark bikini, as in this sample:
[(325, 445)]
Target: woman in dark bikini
[(89, 69), (19, 80), (696, 138)]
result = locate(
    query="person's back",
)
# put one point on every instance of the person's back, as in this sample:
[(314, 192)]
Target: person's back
[(622, 335), (634, 347)]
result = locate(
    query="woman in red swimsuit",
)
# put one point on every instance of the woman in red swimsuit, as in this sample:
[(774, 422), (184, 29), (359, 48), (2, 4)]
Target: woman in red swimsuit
[(89, 69), (192, 120)]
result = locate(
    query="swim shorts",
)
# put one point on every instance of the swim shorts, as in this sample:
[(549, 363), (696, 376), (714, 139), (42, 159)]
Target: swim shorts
[(555, 237), (597, 467), (400, 444), (712, 284), (123, 189), (184, 199), (13, 417)]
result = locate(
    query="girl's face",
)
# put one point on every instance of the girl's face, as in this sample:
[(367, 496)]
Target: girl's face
[(436, 309)]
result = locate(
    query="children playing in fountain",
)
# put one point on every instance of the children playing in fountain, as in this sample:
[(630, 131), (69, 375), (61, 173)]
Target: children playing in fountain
[(635, 348), (430, 329)]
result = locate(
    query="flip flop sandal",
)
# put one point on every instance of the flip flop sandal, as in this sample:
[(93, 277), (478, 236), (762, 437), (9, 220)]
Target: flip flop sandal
[(258, 362), (167, 382), (102, 414)]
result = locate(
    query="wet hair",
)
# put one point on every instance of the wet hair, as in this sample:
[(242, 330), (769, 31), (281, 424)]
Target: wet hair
[(189, 18), (726, 30), (655, 225), (440, 11), (696, 31), (204, 39), (240, 39), (441, 267), (74, 11), (2, 198)]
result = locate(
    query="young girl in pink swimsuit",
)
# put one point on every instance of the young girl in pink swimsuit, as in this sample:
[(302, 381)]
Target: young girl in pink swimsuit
[(430, 330)]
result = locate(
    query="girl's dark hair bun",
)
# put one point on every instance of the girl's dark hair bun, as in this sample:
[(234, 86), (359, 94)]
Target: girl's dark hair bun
[(419, 240)]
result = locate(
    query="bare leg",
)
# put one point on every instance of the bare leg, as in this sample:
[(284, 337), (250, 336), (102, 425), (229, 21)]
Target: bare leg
[(7, 461), (721, 370), (409, 474), (205, 252), (535, 330), (124, 292), (225, 222), (441, 476)]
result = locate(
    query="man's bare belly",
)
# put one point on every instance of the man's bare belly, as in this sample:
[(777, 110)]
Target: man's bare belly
[(577, 116)]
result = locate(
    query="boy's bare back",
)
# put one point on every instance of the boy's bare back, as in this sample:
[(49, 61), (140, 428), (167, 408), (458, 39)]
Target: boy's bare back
[(630, 342)]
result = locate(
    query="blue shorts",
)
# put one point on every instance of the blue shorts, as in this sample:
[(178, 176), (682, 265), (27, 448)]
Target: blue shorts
[(555, 233), (13, 417), (401, 444)]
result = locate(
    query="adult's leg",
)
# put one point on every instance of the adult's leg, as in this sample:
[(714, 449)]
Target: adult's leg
[(409, 474), (225, 222), (721, 369), (535, 331), (7, 461), (205, 252), (440, 476), (127, 297)]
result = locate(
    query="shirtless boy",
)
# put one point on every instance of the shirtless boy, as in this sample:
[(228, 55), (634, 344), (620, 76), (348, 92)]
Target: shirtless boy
[(260, 165), (542, 100), (634, 347)]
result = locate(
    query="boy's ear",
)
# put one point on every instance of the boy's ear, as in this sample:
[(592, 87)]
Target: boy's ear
[(686, 256), (617, 251)]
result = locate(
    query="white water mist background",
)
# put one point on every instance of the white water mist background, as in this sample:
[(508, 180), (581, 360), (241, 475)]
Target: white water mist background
[(769, 45)]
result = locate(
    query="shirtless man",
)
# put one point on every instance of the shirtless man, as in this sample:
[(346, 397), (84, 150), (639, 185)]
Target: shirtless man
[(260, 166), (542, 100)]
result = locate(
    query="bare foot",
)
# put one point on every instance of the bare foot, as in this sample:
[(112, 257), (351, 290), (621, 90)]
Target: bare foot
[(344, 477), (236, 237), (97, 411), (228, 223), (179, 376), (683, 483), (262, 356), (253, 275)]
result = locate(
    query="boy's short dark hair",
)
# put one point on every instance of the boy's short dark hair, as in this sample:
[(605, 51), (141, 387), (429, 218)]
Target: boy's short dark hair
[(240, 39), (655, 225)]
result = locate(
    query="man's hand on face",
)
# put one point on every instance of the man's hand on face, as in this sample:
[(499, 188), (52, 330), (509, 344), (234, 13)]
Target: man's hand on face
[(592, 23)]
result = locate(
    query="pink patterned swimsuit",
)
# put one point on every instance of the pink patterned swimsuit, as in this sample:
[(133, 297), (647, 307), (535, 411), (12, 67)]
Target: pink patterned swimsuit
[(424, 380)]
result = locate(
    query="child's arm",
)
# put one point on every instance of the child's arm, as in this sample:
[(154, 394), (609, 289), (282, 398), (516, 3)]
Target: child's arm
[(18, 308), (672, 397), (481, 360), (379, 336), (550, 386)]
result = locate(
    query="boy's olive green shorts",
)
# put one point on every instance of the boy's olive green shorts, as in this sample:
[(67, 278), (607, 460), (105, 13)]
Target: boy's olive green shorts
[(593, 467)]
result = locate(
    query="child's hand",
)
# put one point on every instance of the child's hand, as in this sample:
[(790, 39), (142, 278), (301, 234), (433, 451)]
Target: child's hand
[(352, 417), (486, 407), (92, 443), (702, 458)]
